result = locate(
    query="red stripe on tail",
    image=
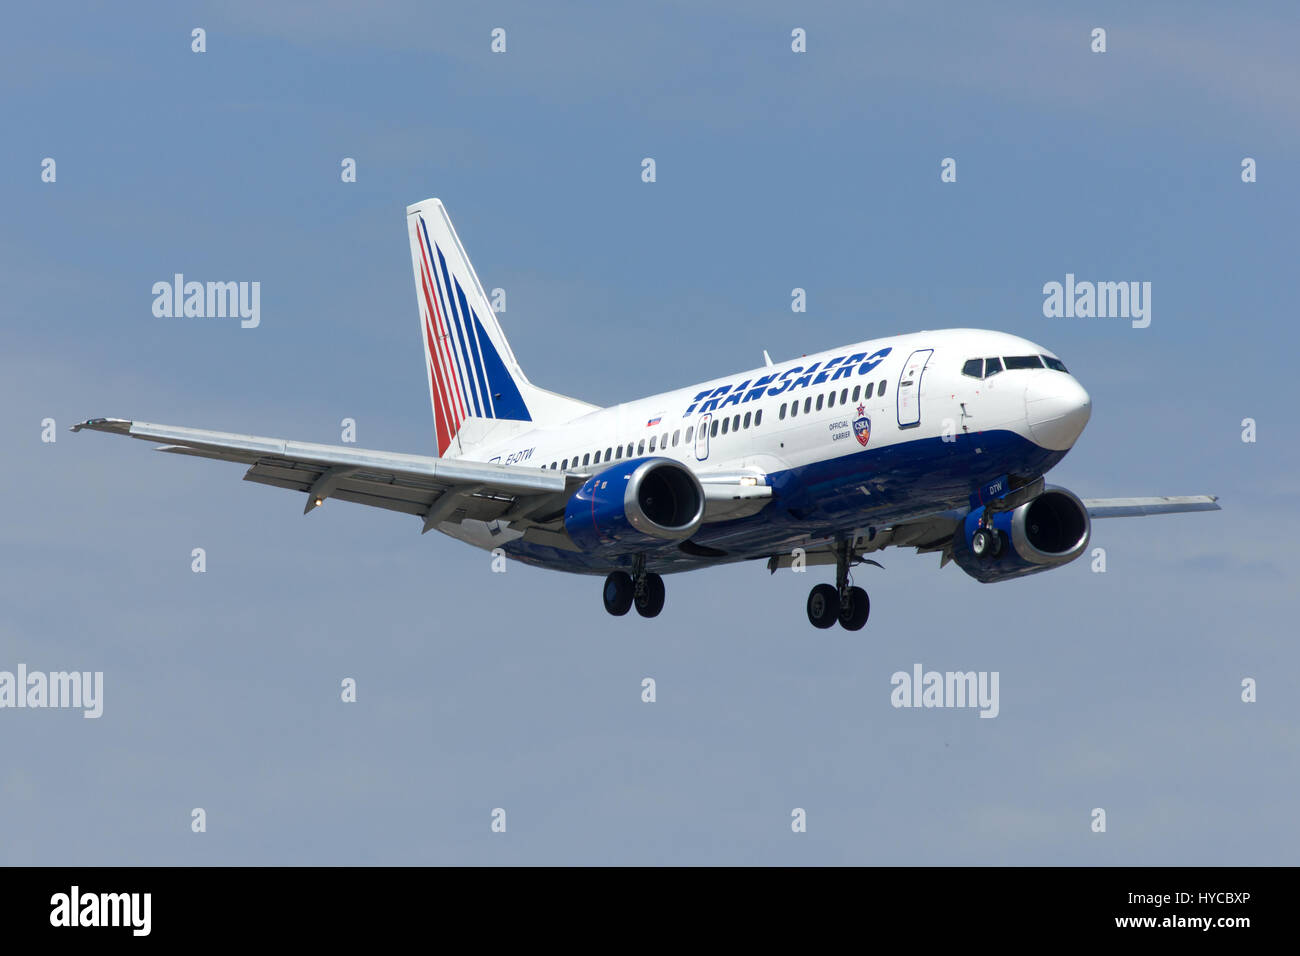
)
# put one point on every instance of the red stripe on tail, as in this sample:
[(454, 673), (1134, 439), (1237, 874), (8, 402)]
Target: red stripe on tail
[(458, 408), (441, 420)]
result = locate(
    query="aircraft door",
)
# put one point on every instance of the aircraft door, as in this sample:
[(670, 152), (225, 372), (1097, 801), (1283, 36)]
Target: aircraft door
[(702, 437), (909, 388)]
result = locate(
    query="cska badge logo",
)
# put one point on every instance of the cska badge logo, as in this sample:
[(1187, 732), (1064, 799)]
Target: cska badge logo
[(862, 426)]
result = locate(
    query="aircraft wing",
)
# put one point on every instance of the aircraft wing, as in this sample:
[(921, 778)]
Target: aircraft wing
[(1135, 507), (435, 489), (934, 532)]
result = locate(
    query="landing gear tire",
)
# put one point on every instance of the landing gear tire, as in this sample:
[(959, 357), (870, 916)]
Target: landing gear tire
[(855, 611), (618, 593), (651, 599), (823, 606), (986, 543)]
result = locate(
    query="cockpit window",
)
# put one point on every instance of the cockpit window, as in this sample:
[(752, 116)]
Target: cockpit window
[(983, 368), (1022, 361)]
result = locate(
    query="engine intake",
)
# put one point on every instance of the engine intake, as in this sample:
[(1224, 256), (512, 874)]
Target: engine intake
[(1045, 532), (634, 503), (1051, 529)]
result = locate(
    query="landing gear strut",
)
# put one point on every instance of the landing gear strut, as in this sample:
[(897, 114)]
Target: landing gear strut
[(641, 588), (848, 605)]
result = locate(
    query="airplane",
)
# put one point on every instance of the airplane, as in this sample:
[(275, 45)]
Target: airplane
[(937, 441)]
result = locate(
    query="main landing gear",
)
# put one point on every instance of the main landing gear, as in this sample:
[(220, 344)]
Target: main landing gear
[(840, 602), (642, 588)]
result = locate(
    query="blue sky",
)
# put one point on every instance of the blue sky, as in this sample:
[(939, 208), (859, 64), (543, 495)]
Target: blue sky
[(775, 170)]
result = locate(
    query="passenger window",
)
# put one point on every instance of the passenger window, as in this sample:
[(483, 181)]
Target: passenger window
[(830, 400), (781, 416), (652, 444), (725, 423), (586, 460), (820, 399), (880, 392), (794, 409), (974, 368), (807, 405), (565, 466), (857, 392), (618, 452), (735, 424), (689, 432), (844, 396), (595, 458), (676, 434), (871, 389), (992, 366), (640, 447), (758, 418), (609, 454), (629, 449), (713, 432), (746, 419)]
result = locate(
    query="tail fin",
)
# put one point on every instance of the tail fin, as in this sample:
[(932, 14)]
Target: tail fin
[(473, 374)]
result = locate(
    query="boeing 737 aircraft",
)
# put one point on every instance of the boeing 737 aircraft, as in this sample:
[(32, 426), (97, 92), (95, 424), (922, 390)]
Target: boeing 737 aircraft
[(936, 441)]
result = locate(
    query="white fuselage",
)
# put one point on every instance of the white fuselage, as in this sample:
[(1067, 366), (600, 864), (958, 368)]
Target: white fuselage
[(1042, 405)]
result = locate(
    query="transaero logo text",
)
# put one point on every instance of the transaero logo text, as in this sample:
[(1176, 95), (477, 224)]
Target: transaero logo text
[(63, 689), (774, 383), (76, 908)]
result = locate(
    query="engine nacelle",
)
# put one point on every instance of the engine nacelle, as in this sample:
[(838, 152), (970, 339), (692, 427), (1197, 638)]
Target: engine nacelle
[(1045, 532), (637, 502)]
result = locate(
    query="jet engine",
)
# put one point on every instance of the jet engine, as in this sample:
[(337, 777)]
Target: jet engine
[(1044, 532), (634, 503)]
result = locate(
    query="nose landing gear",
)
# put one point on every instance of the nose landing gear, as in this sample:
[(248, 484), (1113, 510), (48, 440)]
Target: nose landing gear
[(986, 542), (840, 602)]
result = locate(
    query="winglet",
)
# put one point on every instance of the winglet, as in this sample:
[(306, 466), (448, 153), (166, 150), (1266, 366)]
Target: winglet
[(120, 425)]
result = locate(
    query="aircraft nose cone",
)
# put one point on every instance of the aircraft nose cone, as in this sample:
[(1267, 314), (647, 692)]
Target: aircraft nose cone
[(1056, 409)]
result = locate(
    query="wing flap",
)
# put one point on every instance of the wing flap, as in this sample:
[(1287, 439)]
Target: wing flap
[(377, 501)]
